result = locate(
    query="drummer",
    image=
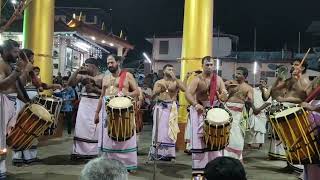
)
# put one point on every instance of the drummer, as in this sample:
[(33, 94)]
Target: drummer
[(85, 137), (204, 91), (165, 93), (276, 149), (32, 84), (240, 93), (125, 151), (295, 89), (10, 71), (312, 171)]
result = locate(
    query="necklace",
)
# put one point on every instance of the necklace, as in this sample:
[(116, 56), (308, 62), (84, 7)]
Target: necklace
[(167, 85)]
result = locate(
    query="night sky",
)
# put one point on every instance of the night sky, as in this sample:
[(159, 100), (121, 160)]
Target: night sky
[(277, 22)]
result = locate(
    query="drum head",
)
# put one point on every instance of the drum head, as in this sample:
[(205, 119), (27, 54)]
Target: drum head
[(41, 112), (120, 103), (49, 98), (287, 112), (217, 116)]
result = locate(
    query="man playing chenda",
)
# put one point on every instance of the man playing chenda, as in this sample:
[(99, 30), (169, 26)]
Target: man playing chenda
[(204, 91), (119, 83)]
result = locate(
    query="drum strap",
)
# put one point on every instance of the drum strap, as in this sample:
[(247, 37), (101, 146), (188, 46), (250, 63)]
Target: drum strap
[(213, 88), (122, 78)]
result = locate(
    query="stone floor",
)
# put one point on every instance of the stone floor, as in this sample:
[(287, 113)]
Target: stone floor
[(57, 165)]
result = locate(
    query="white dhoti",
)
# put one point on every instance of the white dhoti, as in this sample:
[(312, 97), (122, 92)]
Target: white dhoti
[(258, 130), (276, 149), (201, 155), (27, 155), (7, 112), (237, 132), (85, 142), (187, 135), (123, 151)]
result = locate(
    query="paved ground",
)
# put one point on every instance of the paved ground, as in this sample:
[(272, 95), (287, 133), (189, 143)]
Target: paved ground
[(56, 164)]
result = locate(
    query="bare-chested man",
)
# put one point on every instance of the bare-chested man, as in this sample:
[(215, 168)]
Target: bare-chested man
[(295, 91), (10, 71), (165, 126), (276, 149), (312, 171), (204, 91), (239, 94), (124, 151), (85, 139), (32, 85)]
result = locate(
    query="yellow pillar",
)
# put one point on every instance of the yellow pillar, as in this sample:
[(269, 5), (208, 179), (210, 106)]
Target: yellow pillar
[(38, 28), (196, 43)]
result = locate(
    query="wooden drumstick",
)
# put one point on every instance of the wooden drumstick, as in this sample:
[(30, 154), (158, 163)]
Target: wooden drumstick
[(305, 57)]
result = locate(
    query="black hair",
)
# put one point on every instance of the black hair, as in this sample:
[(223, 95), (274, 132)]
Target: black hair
[(206, 58), (93, 61), (117, 58), (244, 71), (36, 68), (305, 65), (26, 52), (167, 65), (225, 168), (65, 78), (8, 45)]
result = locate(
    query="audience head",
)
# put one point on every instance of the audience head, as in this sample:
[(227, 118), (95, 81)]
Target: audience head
[(104, 169), (224, 168)]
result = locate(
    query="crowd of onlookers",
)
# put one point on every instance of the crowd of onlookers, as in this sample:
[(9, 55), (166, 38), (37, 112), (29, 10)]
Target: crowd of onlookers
[(221, 168)]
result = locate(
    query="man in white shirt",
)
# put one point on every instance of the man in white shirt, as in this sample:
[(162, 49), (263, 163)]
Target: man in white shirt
[(258, 119)]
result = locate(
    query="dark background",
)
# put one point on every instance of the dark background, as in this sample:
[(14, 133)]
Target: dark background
[(277, 22)]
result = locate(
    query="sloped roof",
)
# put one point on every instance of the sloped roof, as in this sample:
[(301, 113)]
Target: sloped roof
[(91, 30), (81, 28)]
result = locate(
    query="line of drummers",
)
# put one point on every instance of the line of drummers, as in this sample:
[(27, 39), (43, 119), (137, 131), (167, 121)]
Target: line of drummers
[(109, 118), (219, 127), (221, 112)]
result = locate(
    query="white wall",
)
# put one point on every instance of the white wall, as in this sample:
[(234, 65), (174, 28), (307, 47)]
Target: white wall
[(222, 47), (175, 48)]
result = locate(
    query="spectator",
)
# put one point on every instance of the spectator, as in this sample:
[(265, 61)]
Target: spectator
[(104, 169), (68, 95), (58, 79), (224, 168), (68, 74)]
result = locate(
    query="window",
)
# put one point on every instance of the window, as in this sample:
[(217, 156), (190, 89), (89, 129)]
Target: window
[(164, 47), (90, 19)]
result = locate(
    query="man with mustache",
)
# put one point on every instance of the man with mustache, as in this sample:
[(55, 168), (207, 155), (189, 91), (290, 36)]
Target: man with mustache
[(85, 137), (206, 90), (240, 93), (118, 83), (11, 70), (165, 126)]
